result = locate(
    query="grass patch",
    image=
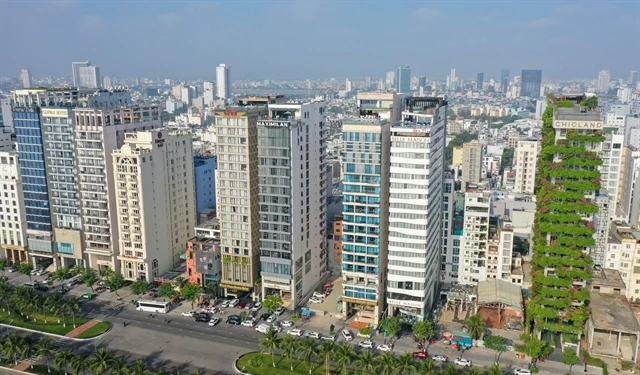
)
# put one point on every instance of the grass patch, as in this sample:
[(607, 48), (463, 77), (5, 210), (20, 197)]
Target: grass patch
[(94, 331), (628, 365), (52, 325), (596, 362), (42, 370), (260, 364)]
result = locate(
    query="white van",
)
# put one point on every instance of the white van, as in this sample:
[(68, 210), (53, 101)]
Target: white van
[(263, 328)]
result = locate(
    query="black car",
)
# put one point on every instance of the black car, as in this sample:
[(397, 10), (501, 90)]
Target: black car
[(265, 316), (202, 318), (233, 319)]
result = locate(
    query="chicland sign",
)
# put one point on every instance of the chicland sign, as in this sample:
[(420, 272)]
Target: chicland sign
[(564, 124)]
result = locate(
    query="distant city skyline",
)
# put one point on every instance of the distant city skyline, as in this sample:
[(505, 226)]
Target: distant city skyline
[(176, 39)]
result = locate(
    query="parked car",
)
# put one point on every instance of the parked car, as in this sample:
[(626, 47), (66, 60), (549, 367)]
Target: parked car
[(272, 318), (202, 318), (234, 302), (213, 321), (385, 348), (212, 310), (364, 335), (257, 306), (347, 335), (11, 270), (241, 305), (280, 311), (189, 313), (522, 371), (88, 296), (287, 323), (249, 323), (440, 358), (315, 300), (248, 306), (225, 303), (462, 362), (295, 332), (420, 355), (233, 320), (329, 337), (276, 328), (318, 294), (265, 316), (366, 344)]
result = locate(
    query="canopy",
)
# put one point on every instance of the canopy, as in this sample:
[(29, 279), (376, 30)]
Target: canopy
[(306, 312)]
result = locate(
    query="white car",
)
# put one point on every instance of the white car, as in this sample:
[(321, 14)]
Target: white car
[(211, 310), (385, 348), (41, 272), (440, 358), (287, 323), (347, 335), (189, 313), (234, 302), (225, 303), (256, 307), (272, 318), (462, 362), (276, 328), (314, 335), (315, 300), (522, 371), (280, 311), (249, 323), (318, 294), (329, 337), (295, 332), (214, 321), (366, 344)]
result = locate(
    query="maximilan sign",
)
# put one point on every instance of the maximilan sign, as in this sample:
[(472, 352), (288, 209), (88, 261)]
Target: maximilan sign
[(274, 124), (568, 124)]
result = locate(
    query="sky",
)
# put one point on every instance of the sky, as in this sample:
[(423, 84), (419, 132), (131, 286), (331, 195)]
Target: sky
[(320, 39)]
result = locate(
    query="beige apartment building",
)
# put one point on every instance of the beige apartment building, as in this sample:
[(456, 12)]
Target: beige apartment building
[(238, 204), (155, 201), (471, 163), (13, 218), (526, 162)]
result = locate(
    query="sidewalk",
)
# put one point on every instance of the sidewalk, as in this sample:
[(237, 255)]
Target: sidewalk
[(22, 366), (76, 332)]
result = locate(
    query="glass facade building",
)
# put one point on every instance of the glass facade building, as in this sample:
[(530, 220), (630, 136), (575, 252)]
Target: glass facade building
[(531, 83), (403, 80)]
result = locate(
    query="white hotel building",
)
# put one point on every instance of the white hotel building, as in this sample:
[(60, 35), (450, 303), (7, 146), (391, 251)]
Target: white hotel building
[(415, 209), (13, 219)]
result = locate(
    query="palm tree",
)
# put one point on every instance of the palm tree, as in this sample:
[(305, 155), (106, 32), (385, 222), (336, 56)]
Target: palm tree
[(406, 364), (495, 369), (12, 347), (78, 363), (307, 349), (475, 371), (476, 326), (5, 293), (100, 361), (197, 372), (325, 351), (118, 367), (54, 305), (450, 370), (344, 356), (27, 344), (139, 368), (366, 362), (387, 365), (270, 343), (46, 348), (72, 306), (63, 358), (427, 367), (164, 372), (289, 348)]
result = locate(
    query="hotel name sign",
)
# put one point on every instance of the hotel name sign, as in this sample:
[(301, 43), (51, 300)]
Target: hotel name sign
[(569, 124)]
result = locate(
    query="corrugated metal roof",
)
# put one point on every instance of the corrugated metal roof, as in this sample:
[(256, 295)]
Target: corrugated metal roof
[(500, 291)]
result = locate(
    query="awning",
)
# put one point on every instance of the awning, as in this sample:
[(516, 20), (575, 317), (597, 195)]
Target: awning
[(306, 312), (183, 256)]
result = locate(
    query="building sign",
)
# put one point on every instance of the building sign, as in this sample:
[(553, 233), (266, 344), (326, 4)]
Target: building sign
[(55, 112), (233, 286), (159, 140), (412, 304), (577, 124), (277, 286), (359, 301), (411, 139), (274, 124), (231, 113)]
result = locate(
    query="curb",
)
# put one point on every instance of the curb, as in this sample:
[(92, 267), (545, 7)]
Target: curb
[(10, 370), (235, 367), (54, 335)]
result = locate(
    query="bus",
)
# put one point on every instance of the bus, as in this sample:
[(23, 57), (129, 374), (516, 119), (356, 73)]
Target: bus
[(153, 306)]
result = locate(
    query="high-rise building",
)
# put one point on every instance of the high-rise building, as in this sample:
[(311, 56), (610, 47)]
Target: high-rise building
[(415, 208), (568, 172), (452, 75), (526, 162), (479, 81), (475, 238), (223, 84), (205, 182), (106, 83), (629, 191), (13, 236), (386, 105), (155, 201), (390, 80), (238, 198), (293, 248), (25, 75), (365, 164), (452, 205), (471, 164), (633, 79), (367, 82), (531, 83), (209, 93), (75, 69), (422, 81), (604, 81), (347, 85), (504, 79), (403, 80)]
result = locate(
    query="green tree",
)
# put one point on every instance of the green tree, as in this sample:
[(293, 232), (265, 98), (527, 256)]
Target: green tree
[(344, 355), (427, 367), (289, 348), (406, 364), (27, 346), (307, 351), (60, 274), (3, 264), (366, 363), (114, 281), (450, 369), (100, 361), (496, 343), (25, 269), (72, 306), (76, 270), (78, 363), (62, 360), (590, 103), (54, 305), (507, 158), (476, 326), (12, 347), (534, 347), (474, 371), (391, 325), (46, 349), (139, 287), (325, 351), (190, 292), (5, 294), (424, 330), (166, 290), (387, 365), (89, 277), (139, 368), (212, 288), (269, 343), (494, 369), (570, 358), (272, 303), (118, 367)]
